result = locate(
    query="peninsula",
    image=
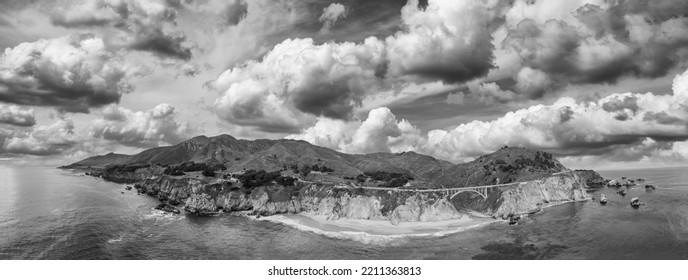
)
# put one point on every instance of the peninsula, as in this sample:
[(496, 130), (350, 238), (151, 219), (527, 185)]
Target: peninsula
[(209, 175)]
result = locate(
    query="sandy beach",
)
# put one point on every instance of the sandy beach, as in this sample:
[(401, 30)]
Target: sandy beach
[(378, 231)]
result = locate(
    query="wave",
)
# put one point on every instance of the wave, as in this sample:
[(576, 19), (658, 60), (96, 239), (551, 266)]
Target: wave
[(362, 236), (115, 240), (159, 215)]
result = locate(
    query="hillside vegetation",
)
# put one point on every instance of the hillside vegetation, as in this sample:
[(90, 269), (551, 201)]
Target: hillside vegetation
[(224, 156)]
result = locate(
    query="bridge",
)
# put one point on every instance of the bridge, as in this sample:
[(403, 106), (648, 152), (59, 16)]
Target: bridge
[(483, 190)]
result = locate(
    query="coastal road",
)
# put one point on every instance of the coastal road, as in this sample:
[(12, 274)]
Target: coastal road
[(482, 190)]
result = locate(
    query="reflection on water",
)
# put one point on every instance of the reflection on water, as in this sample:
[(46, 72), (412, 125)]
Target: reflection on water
[(46, 213)]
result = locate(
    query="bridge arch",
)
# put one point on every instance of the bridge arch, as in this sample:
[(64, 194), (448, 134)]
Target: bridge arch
[(482, 192)]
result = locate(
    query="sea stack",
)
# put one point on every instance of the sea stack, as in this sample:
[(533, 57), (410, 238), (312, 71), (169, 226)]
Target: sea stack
[(635, 202)]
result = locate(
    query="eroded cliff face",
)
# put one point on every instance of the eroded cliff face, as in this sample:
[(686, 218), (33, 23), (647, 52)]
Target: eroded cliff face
[(172, 190), (533, 195), (591, 178), (329, 202), (356, 203), (127, 177)]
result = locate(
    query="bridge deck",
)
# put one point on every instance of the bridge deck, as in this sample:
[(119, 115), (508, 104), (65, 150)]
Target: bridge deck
[(449, 189)]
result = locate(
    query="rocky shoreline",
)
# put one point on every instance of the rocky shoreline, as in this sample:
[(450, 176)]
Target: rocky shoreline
[(202, 197), (208, 175)]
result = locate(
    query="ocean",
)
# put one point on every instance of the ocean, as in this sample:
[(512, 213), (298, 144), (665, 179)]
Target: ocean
[(48, 213)]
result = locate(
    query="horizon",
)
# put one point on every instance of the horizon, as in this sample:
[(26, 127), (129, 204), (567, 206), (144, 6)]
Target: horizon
[(596, 83), (56, 162)]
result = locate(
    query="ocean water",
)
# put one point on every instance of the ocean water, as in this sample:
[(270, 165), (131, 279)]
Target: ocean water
[(47, 213)]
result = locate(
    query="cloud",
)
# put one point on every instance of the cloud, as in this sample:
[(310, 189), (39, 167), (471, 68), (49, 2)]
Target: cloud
[(331, 14), (15, 115), (379, 132), (151, 128), (651, 124), (456, 98), (593, 43), (73, 73), (142, 25), (234, 12), (448, 40), (53, 139), (298, 80)]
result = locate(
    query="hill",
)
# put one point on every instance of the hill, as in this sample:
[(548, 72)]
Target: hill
[(294, 157), (101, 161), (508, 164)]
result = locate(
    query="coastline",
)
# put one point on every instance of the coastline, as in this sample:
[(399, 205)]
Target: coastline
[(376, 231)]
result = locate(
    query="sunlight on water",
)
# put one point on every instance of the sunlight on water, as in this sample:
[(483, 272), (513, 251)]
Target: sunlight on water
[(8, 186)]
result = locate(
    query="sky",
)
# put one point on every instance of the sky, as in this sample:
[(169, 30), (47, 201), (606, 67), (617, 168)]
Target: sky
[(597, 83)]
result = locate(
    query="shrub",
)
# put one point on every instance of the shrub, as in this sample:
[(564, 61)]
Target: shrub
[(285, 180), (208, 173), (323, 168), (394, 183), (305, 170), (386, 176)]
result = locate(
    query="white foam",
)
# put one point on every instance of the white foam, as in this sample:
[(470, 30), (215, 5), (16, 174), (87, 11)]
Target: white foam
[(159, 215), (364, 237), (115, 240)]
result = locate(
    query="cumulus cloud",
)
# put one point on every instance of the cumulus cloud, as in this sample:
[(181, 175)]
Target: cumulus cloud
[(47, 140), (379, 132), (298, 80), (72, 73), (593, 42), (142, 25), (447, 40), (151, 128), (330, 15), (15, 115), (651, 124)]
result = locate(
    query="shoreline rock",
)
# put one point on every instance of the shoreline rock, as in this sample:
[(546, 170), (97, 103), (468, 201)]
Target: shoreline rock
[(168, 208)]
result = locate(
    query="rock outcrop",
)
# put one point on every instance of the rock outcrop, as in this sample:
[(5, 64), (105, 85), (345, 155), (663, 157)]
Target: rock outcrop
[(591, 178), (167, 208), (207, 175), (531, 196)]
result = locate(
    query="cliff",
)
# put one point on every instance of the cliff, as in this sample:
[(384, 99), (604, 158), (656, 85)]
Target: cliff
[(357, 203), (591, 178), (266, 177), (532, 196)]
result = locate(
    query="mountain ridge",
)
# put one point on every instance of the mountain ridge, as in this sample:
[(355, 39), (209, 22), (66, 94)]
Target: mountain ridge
[(508, 164)]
